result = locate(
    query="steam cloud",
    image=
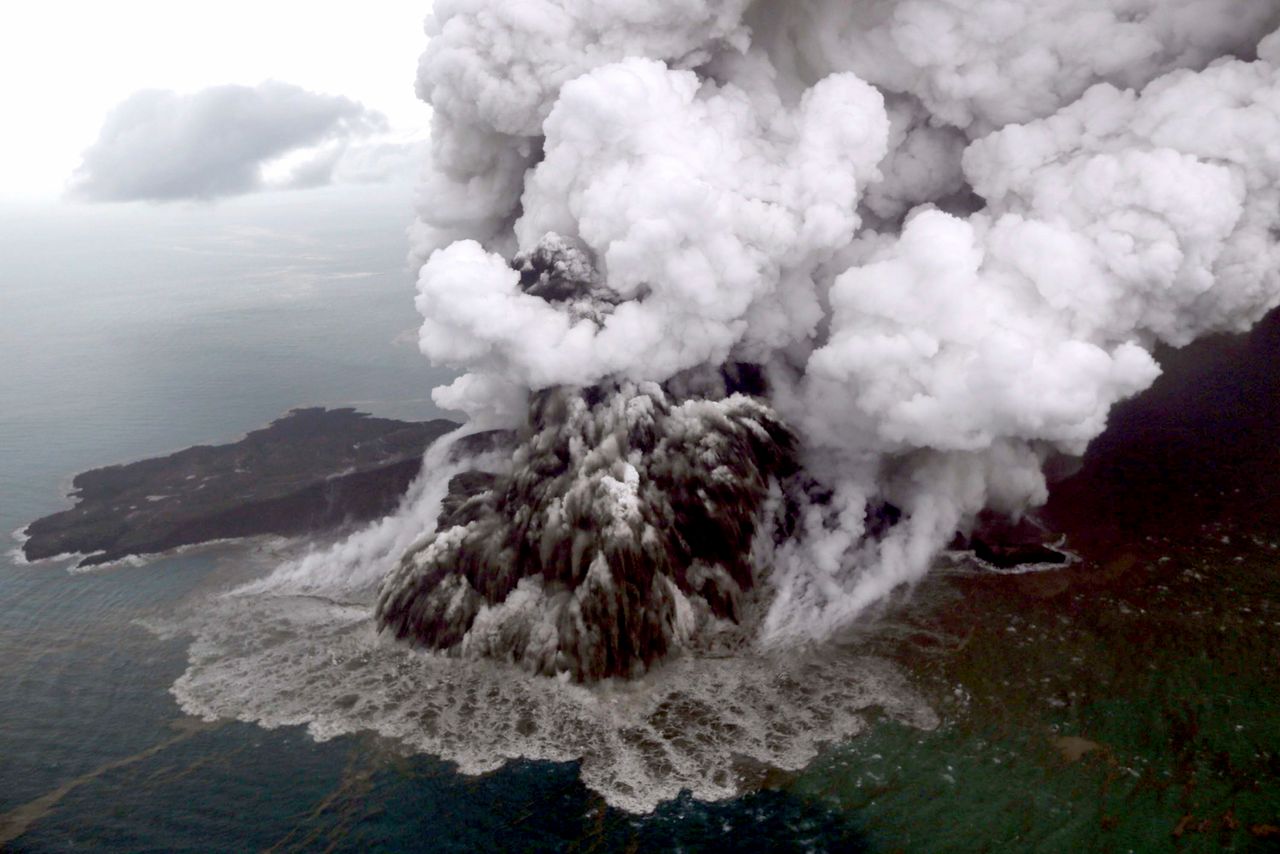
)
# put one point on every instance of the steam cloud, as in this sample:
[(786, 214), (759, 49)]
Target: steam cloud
[(949, 233)]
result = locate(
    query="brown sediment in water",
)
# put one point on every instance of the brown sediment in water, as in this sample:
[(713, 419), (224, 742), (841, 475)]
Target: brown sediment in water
[(17, 821)]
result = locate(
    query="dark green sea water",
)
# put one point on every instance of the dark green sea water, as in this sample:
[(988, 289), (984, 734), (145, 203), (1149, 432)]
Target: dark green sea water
[(1129, 703)]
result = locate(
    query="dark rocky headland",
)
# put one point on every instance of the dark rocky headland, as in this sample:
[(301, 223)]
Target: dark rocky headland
[(310, 470)]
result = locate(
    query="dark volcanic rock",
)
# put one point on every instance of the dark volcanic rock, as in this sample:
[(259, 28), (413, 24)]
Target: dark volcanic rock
[(1010, 555), (310, 470), (484, 442), (1005, 543), (454, 508)]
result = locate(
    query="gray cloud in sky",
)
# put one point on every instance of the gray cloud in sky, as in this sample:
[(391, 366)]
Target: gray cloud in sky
[(159, 145)]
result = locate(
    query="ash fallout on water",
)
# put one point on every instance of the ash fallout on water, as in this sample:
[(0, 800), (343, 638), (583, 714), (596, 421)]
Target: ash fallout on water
[(944, 237)]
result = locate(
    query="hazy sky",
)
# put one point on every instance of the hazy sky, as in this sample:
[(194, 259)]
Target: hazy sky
[(65, 65)]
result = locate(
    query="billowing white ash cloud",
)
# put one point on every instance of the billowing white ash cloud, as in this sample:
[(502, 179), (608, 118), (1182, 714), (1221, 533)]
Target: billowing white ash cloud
[(949, 233)]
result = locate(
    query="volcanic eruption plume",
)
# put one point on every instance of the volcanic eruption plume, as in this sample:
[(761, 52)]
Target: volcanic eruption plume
[(776, 296)]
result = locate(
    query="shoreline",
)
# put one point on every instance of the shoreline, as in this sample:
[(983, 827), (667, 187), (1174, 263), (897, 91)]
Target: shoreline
[(309, 470)]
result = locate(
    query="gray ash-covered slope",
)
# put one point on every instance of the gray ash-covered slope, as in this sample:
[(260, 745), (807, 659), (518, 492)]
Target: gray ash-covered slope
[(312, 469), (625, 522)]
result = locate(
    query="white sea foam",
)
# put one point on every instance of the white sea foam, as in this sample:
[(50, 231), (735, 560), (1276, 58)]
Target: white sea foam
[(19, 557), (16, 555), (74, 567), (299, 647), (261, 541), (280, 660), (965, 559)]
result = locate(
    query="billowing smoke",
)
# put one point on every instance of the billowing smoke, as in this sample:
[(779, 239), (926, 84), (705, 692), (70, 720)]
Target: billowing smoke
[(947, 234)]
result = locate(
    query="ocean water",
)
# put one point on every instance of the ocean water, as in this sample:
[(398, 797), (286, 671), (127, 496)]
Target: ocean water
[(1126, 703)]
